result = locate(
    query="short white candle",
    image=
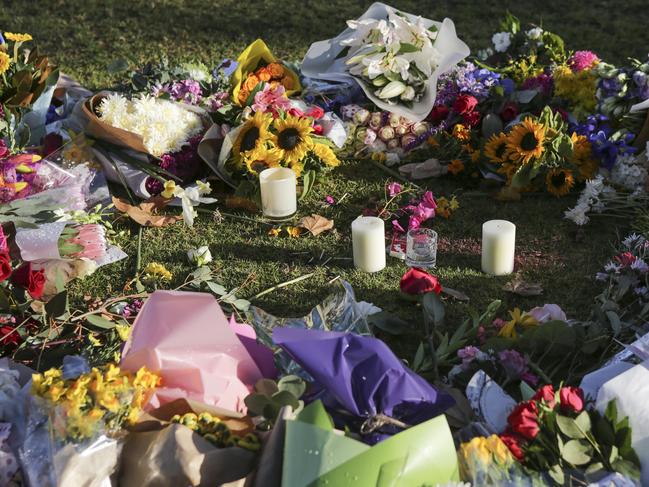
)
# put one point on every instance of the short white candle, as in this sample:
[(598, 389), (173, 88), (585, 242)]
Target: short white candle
[(368, 240), (278, 192), (498, 245)]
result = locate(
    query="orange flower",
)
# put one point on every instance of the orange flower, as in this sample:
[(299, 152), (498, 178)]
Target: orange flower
[(263, 74), (456, 167), (274, 232), (294, 232), (243, 96), (461, 132), (432, 141), (251, 82), (287, 82), (276, 70)]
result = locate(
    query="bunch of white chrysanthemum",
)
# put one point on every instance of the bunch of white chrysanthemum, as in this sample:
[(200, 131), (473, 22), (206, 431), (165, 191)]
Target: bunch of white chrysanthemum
[(630, 172), (164, 126)]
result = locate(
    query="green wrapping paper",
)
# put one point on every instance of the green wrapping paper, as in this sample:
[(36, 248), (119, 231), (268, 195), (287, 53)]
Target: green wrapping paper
[(317, 455)]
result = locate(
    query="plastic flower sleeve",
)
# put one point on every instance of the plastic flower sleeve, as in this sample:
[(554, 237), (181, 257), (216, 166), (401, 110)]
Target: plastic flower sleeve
[(324, 61), (338, 312)]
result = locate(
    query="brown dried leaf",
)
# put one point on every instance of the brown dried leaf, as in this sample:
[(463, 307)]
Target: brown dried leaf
[(143, 213), (518, 286), (459, 295), (316, 224)]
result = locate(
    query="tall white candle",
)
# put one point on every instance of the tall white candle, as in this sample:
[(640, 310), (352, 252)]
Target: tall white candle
[(278, 192), (368, 240), (498, 246)]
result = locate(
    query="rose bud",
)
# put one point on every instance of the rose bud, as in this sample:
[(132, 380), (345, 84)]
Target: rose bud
[(393, 144), (370, 137), (438, 114), (419, 128), (361, 116), (465, 104), (394, 120), (417, 281), (376, 120), (386, 133), (509, 112)]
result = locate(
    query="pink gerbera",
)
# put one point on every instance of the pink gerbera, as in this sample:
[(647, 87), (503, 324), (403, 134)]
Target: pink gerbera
[(582, 60)]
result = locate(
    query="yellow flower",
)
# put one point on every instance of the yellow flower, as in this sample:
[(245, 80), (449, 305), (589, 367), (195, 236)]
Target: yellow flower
[(261, 158), (559, 181), (292, 139), (297, 167), (496, 148), (326, 155), (518, 318), (252, 135), (17, 37), (5, 62), (124, 331), (455, 204), (274, 232), (294, 232), (525, 141), (94, 340), (582, 157), (157, 271), (378, 156), (461, 132), (145, 379), (499, 450), (170, 187), (456, 167), (475, 450)]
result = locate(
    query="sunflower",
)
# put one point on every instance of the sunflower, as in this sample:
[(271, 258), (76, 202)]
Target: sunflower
[(456, 167), (582, 157), (526, 140), (292, 138), (559, 182), (261, 158), (496, 148), (326, 155), (252, 135), (5, 62)]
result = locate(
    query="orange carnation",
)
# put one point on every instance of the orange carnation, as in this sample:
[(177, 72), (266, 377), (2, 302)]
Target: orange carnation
[(287, 82), (243, 95), (276, 70)]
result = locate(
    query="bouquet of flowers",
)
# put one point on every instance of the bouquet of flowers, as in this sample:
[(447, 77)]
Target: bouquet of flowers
[(256, 67), (554, 433), (27, 84), (395, 57)]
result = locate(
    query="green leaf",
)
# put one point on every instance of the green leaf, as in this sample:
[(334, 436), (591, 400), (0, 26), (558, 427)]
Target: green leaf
[(308, 181), (526, 391), (433, 309), (577, 452), (419, 357), (267, 387), (614, 320), (256, 403), (241, 304), (406, 47), (4, 300), (58, 305), (556, 472), (217, 289), (285, 398), (293, 384), (569, 427), (388, 322), (100, 322)]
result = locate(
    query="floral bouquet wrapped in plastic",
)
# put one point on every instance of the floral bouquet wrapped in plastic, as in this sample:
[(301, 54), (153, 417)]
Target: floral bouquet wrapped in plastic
[(395, 57), (74, 420)]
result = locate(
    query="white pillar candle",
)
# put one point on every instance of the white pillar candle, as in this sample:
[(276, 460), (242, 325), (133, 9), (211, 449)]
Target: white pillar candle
[(278, 192), (498, 244), (368, 240)]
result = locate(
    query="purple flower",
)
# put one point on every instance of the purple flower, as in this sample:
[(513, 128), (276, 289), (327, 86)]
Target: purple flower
[(153, 186), (468, 355), (640, 266), (187, 91), (513, 362), (543, 83)]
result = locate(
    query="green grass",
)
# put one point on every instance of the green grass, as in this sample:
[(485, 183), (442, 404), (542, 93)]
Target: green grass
[(84, 36)]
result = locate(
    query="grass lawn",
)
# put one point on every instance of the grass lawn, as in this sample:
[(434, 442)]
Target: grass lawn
[(84, 36)]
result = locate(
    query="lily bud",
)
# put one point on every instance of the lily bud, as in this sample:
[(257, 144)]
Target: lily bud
[(392, 90)]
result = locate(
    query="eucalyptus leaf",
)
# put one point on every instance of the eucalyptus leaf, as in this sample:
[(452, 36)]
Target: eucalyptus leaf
[(100, 322), (293, 384)]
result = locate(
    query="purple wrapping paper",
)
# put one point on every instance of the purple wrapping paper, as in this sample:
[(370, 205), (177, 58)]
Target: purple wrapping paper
[(361, 375)]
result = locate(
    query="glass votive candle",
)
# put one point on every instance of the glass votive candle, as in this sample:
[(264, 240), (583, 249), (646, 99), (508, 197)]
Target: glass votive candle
[(278, 192), (421, 248)]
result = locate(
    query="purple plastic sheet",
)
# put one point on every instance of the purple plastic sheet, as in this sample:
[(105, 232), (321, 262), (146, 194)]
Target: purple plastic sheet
[(361, 377)]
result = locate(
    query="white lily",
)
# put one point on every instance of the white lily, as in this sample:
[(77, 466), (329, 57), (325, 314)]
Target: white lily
[(392, 89)]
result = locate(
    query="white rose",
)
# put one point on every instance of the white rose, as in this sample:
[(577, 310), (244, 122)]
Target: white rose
[(501, 41), (535, 33), (200, 256)]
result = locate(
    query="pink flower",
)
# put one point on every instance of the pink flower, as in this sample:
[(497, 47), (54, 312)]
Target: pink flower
[(428, 200), (394, 189), (314, 112), (271, 99), (582, 60), (330, 200), (397, 226)]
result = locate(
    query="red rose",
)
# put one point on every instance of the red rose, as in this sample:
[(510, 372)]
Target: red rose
[(572, 399), (545, 393), (512, 442), (524, 420), (438, 113), (317, 129), (315, 112), (51, 143), (465, 104), (509, 112), (5, 266), (417, 281), (33, 281), (471, 119), (9, 336)]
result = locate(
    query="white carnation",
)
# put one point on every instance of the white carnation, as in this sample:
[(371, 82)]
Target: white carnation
[(501, 40)]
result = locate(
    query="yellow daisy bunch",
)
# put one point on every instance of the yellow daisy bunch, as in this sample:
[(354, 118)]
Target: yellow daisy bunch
[(5, 62), (578, 88), (17, 37)]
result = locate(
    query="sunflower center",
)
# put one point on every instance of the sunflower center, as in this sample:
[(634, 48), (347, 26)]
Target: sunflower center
[(558, 179), (500, 150), (250, 139), (288, 138), (259, 166), (529, 142)]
